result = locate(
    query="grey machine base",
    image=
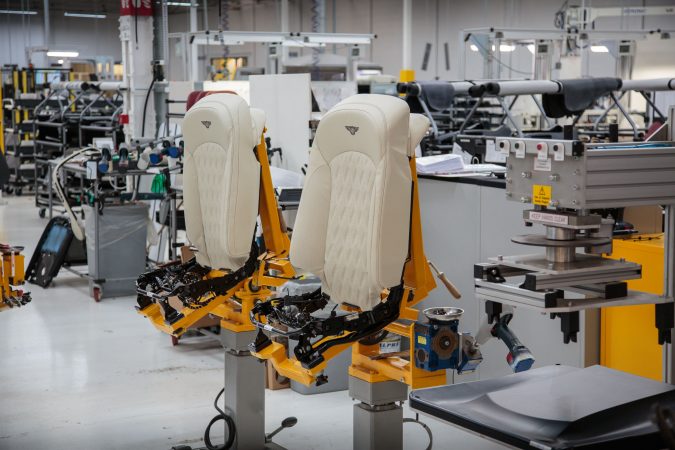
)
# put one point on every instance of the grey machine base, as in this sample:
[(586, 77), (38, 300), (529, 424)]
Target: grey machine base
[(245, 391), (378, 419)]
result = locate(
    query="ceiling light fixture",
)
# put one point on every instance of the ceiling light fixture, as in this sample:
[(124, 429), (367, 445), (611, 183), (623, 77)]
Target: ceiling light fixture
[(85, 15), (60, 54), (502, 48), (599, 49), (19, 12)]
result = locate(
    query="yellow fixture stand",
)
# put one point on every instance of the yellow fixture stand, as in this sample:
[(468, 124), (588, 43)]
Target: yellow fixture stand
[(367, 364), (11, 275), (235, 306)]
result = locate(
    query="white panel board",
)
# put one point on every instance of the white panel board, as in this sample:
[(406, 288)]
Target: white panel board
[(330, 93), (287, 102), (240, 87)]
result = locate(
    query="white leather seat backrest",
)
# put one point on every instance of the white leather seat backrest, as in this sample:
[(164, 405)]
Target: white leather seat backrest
[(353, 222), (221, 179)]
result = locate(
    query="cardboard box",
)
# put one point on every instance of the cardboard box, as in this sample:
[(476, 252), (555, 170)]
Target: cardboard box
[(645, 219), (273, 380)]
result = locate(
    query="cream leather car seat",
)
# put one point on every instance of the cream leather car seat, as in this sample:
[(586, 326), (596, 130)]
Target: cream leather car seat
[(352, 227), (221, 179)]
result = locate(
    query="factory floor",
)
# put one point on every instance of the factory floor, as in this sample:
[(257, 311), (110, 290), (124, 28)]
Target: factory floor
[(75, 374)]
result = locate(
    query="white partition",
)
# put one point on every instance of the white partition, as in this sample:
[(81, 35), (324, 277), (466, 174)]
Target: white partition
[(330, 93), (242, 88), (287, 102)]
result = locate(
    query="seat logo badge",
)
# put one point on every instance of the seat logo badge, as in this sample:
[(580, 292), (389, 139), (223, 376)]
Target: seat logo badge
[(206, 123), (352, 129)]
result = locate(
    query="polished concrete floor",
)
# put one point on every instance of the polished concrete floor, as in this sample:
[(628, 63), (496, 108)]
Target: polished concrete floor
[(75, 374)]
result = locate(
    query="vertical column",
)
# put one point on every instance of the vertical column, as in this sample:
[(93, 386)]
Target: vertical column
[(669, 264), (194, 48), (244, 390), (407, 72), (137, 39), (378, 418), (47, 29)]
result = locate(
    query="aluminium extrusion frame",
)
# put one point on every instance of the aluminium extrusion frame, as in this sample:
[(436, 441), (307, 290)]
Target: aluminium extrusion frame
[(581, 177), (497, 36), (189, 42)]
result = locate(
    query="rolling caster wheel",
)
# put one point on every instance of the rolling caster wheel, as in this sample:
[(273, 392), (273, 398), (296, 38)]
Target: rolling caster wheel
[(42, 213), (174, 340), (97, 293)]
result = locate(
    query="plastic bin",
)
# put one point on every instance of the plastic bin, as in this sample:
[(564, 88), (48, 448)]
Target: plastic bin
[(116, 240)]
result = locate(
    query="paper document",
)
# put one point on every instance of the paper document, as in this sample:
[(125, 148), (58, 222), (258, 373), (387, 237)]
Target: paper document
[(453, 164), (439, 164)]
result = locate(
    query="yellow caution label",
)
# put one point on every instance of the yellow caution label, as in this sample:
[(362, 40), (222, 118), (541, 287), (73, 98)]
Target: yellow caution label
[(541, 194), (421, 340)]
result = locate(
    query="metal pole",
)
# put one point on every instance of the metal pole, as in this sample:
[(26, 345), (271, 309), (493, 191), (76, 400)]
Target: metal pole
[(510, 118), (407, 73), (284, 29), (669, 283), (626, 115), (47, 25), (194, 50), (669, 263), (165, 34)]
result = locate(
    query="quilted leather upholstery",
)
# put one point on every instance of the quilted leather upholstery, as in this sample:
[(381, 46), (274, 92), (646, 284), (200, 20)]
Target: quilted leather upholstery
[(221, 179), (354, 217)]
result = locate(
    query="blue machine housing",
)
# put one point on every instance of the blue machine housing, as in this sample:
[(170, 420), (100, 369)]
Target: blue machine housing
[(438, 345)]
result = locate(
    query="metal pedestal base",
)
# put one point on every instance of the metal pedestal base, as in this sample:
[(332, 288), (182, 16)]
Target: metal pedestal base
[(245, 391), (378, 419)]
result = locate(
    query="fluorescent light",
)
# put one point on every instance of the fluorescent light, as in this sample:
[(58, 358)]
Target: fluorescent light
[(599, 49), (502, 48), (60, 61), (56, 54), (16, 11), (179, 4), (85, 15), (530, 47)]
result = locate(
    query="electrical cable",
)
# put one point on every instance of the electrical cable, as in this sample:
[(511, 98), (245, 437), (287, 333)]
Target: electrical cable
[(423, 425), (74, 223), (231, 427), (145, 104)]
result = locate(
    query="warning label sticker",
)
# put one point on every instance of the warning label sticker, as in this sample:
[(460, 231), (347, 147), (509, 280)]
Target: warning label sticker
[(557, 219), (541, 194), (542, 165)]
